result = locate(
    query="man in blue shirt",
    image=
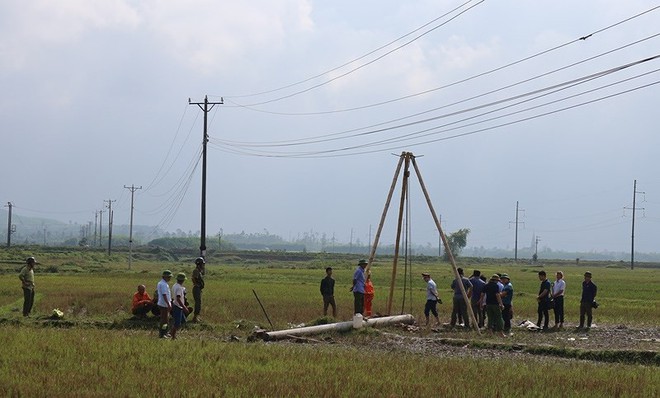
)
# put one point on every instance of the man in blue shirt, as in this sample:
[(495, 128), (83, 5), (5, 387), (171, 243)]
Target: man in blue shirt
[(507, 300), (459, 305), (358, 287), (589, 290)]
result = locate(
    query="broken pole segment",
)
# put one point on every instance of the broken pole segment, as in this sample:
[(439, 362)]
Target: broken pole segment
[(337, 327)]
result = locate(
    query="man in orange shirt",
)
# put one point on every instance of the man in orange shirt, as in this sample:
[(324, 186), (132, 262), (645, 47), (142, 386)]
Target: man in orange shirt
[(142, 303)]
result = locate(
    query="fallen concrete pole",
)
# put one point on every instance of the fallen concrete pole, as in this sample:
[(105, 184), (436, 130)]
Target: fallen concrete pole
[(338, 327)]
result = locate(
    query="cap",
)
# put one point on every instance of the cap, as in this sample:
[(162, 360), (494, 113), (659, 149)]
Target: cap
[(167, 272), (180, 276), (200, 260), (361, 262), (587, 273), (495, 277), (426, 274), (30, 260), (504, 276)]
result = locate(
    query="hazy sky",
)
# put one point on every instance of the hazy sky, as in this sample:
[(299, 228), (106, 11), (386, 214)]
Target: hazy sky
[(499, 100)]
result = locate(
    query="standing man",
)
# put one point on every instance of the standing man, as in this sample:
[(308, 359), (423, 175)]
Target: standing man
[(459, 309), (358, 287), (492, 297), (164, 302), (198, 285), (27, 280), (328, 292), (543, 300), (432, 299), (558, 290), (477, 287), (589, 290), (507, 300), (179, 308)]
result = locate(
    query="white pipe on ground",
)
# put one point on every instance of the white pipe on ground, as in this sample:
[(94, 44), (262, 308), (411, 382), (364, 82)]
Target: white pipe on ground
[(338, 327)]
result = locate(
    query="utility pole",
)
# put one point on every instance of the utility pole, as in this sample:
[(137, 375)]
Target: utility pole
[(536, 247), (110, 214), (9, 224), (518, 210), (95, 226), (44, 225), (132, 188), (204, 106), (100, 228), (632, 236)]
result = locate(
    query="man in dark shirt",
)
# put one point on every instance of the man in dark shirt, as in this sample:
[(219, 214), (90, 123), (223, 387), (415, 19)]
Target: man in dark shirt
[(544, 300), (589, 290), (459, 309), (491, 296), (328, 292)]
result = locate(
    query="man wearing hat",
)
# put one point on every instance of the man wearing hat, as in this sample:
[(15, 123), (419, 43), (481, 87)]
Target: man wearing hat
[(179, 308), (164, 302), (358, 287), (27, 280), (432, 299), (589, 290), (491, 296), (507, 300)]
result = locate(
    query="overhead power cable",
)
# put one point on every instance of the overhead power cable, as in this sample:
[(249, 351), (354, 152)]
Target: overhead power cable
[(227, 97), (359, 66), (327, 137), (337, 152), (491, 71), (553, 88)]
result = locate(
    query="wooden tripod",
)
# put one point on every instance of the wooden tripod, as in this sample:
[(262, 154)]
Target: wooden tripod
[(406, 159)]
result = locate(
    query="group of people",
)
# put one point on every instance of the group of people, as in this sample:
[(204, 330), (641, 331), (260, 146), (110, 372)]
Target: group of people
[(491, 300), (171, 302)]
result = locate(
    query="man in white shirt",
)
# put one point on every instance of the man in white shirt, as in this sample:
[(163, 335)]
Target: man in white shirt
[(558, 289), (179, 309), (164, 302), (432, 299)]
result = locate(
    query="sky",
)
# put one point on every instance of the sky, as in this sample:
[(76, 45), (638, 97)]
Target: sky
[(551, 105)]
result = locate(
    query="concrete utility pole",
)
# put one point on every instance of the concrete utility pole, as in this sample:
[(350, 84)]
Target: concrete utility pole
[(132, 188), (100, 228), (96, 215), (9, 224), (515, 258), (204, 106), (632, 236), (536, 246), (110, 215)]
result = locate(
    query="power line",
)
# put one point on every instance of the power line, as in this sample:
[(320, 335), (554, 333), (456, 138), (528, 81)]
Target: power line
[(582, 38), (362, 65), (336, 152)]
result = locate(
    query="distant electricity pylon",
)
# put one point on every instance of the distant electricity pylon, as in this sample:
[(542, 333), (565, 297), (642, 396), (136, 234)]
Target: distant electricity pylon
[(132, 188), (110, 217), (518, 210), (632, 236)]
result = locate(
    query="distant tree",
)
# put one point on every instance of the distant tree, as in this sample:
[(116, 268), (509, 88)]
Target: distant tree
[(457, 241)]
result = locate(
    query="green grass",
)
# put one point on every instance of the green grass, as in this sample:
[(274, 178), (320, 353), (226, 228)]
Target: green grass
[(86, 362), (97, 350)]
